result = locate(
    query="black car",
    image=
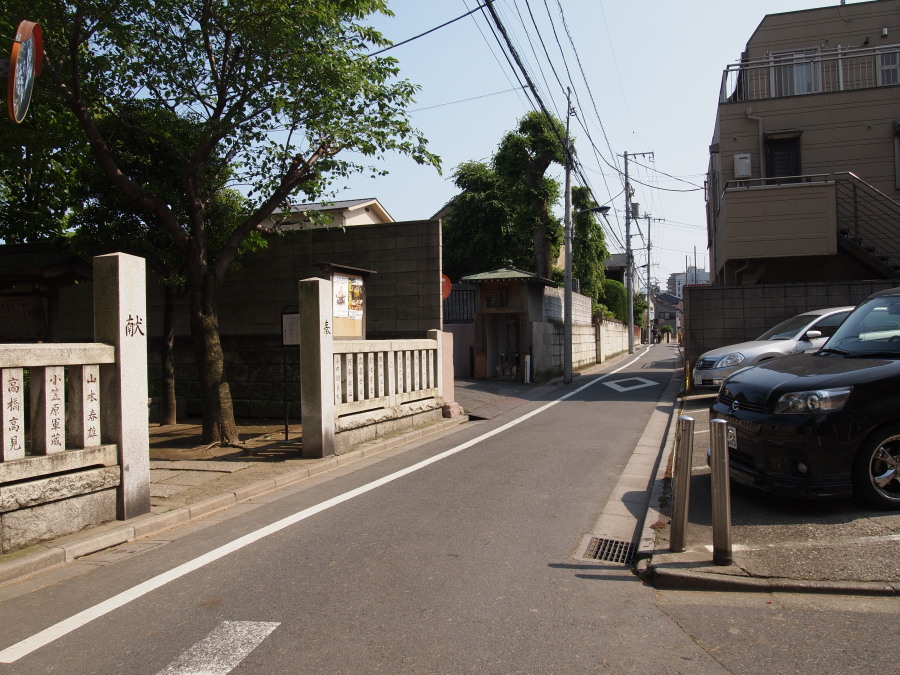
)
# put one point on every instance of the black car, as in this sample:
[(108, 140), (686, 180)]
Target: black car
[(825, 424)]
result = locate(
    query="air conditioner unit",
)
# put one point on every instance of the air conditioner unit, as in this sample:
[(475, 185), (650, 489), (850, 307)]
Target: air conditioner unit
[(742, 167)]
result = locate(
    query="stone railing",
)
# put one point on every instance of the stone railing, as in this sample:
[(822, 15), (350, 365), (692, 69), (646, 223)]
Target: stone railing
[(74, 446), (371, 375), (358, 390)]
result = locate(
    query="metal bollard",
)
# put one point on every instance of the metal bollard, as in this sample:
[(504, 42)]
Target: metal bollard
[(684, 453), (721, 492)]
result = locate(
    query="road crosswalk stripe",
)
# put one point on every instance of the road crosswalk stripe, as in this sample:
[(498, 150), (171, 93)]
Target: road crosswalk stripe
[(222, 650)]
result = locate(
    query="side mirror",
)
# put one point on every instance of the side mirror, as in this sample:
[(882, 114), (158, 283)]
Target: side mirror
[(813, 334)]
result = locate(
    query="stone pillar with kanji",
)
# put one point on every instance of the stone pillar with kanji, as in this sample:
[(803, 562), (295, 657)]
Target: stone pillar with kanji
[(120, 319), (317, 367)]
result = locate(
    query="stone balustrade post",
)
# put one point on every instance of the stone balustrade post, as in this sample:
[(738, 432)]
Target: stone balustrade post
[(317, 375), (120, 316)]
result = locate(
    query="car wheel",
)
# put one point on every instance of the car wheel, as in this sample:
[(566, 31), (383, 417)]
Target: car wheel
[(876, 470)]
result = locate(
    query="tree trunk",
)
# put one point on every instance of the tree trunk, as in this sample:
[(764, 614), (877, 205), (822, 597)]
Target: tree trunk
[(168, 405), (218, 412), (541, 244)]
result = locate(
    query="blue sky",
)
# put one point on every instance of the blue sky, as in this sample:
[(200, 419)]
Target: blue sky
[(645, 76)]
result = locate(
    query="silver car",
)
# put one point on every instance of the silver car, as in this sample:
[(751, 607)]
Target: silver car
[(801, 333)]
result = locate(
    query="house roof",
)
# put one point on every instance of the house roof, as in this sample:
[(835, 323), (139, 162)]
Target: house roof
[(507, 274), (669, 299), (342, 205), (343, 211), (616, 260), (43, 261)]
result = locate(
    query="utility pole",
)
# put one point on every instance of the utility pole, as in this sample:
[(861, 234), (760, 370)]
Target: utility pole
[(629, 263), (647, 322), (567, 220)]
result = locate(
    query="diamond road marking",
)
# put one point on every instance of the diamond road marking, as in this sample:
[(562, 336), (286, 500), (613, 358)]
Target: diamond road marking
[(630, 384)]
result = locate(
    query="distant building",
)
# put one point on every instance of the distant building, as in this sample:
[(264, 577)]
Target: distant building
[(668, 312), (679, 280)]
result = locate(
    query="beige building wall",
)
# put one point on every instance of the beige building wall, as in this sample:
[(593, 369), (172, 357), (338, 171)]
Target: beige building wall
[(838, 131)]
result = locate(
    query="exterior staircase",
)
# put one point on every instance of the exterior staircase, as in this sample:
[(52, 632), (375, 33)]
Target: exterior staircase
[(868, 224)]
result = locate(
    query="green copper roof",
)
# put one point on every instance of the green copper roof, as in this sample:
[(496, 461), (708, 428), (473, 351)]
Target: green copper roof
[(507, 274)]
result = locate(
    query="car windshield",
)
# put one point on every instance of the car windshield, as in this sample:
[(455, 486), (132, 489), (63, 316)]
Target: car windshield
[(788, 329), (872, 329)]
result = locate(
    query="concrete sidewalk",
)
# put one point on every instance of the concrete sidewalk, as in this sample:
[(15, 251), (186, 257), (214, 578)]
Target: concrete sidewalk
[(778, 544)]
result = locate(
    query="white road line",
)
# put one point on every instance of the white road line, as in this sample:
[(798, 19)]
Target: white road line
[(66, 626), (220, 651)]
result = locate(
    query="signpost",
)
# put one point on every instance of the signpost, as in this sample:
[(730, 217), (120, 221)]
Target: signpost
[(25, 62)]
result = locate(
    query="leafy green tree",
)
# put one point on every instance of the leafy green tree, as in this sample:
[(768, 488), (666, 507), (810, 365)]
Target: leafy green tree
[(522, 161), (503, 210), (36, 157), (588, 245), (285, 93), (615, 297), (105, 220), (639, 300), (480, 232)]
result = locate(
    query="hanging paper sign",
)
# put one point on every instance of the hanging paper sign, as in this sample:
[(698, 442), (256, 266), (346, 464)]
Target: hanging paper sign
[(341, 289), (25, 63), (355, 309)]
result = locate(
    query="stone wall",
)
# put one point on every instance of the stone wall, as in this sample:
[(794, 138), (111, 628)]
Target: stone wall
[(715, 316)]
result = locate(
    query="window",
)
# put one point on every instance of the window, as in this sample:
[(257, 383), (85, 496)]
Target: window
[(829, 324), (783, 159), (888, 68), (796, 73)]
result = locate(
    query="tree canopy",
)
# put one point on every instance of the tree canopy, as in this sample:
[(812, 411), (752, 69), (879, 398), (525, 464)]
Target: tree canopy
[(589, 251), (503, 210), (282, 99)]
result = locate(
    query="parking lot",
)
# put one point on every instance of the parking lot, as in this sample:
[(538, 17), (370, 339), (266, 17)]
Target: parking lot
[(778, 537)]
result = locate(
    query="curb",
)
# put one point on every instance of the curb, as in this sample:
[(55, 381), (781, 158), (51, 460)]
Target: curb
[(662, 577), (43, 557), (669, 579)]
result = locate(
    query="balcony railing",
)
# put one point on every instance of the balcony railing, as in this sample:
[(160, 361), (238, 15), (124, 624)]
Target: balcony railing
[(867, 220), (811, 71)]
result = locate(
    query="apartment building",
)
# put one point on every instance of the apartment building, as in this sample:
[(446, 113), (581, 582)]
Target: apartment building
[(804, 170)]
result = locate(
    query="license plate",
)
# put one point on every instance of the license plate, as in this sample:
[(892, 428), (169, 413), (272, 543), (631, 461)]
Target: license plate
[(731, 437)]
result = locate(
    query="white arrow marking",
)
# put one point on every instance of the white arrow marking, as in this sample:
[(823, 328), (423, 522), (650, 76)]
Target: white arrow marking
[(220, 651)]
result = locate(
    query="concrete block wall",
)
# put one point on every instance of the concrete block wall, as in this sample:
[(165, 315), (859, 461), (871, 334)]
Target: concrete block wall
[(612, 337), (403, 300), (584, 346), (554, 306), (715, 316), (546, 350)]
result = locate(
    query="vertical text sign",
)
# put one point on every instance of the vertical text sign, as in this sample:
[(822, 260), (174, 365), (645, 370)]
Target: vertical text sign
[(13, 429)]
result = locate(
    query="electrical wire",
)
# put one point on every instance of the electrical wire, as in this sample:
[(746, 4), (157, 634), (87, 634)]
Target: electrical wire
[(427, 32)]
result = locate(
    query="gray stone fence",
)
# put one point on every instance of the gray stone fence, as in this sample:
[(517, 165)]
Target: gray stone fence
[(74, 445), (358, 390)]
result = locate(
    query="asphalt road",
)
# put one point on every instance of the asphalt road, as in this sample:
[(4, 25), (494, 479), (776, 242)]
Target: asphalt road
[(458, 555)]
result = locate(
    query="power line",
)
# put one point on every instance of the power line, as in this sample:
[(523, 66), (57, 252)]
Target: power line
[(428, 32), (466, 100)]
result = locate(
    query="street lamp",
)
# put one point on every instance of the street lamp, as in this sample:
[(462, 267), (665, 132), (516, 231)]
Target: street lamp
[(567, 306)]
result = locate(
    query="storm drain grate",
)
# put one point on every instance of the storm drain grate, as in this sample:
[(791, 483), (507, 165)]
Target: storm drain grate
[(610, 550)]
